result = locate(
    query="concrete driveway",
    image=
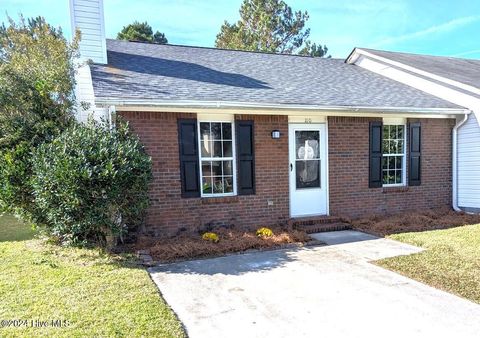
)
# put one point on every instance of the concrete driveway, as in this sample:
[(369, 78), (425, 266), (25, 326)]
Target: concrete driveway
[(329, 291)]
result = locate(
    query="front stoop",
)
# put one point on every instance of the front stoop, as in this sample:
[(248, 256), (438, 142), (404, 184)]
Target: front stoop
[(319, 224)]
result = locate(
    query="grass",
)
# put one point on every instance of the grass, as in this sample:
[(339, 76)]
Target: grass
[(98, 295), (451, 261)]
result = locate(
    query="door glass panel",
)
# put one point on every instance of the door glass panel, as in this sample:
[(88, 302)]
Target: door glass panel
[(307, 159)]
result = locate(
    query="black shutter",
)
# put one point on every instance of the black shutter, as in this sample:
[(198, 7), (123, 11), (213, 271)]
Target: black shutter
[(188, 150), (246, 157), (415, 161), (375, 172)]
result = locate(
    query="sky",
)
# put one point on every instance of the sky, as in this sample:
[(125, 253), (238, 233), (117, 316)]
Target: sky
[(435, 27)]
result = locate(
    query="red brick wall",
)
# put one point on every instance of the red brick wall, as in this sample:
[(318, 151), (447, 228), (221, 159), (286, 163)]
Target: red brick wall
[(349, 163), (350, 195), (169, 212)]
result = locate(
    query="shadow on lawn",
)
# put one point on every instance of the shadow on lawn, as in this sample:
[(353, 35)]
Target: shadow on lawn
[(235, 264), (13, 230)]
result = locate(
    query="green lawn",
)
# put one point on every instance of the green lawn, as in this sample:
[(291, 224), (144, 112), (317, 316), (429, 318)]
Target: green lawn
[(97, 294), (451, 261)]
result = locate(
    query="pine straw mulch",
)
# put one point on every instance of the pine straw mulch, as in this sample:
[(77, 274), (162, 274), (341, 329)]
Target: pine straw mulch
[(191, 246), (441, 218)]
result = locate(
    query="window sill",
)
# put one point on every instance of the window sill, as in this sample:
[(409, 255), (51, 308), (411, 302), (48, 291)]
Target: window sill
[(395, 189), (220, 199)]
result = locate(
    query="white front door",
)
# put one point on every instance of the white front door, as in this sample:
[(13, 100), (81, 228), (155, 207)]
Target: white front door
[(308, 174)]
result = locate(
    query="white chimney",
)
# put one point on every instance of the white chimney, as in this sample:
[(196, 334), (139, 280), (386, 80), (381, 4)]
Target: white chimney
[(87, 16)]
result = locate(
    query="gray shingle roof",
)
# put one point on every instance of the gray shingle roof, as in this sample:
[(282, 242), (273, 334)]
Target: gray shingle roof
[(168, 72), (466, 71)]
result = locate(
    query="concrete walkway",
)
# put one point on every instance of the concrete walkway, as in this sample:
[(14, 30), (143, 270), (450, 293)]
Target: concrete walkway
[(329, 291)]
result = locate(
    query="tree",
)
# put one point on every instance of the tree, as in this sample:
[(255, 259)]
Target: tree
[(36, 103), (269, 26), (312, 49), (141, 31)]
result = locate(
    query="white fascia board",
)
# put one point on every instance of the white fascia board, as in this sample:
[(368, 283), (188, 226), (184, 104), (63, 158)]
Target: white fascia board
[(357, 53), (217, 107), (420, 83)]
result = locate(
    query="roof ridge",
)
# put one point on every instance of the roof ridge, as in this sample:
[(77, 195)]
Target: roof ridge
[(222, 49)]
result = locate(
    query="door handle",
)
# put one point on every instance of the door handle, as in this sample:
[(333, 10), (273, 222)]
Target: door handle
[(291, 167)]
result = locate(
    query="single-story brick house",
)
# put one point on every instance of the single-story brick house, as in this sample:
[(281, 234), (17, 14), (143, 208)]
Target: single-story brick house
[(248, 139)]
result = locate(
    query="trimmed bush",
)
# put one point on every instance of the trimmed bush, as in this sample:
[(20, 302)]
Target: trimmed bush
[(264, 232), (91, 182), (210, 236)]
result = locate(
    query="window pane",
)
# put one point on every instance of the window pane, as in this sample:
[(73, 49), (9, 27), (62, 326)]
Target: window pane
[(393, 132), (206, 149), (399, 162), (216, 131), (204, 131), (217, 149), (401, 132), (307, 174), (391, 147), (385, 177), (384, 162), (400, 146), (228, 184), (206, 168), (227, 131), (391, 162), (217, 168), (207, 185), (307, 144), (227, 168), (398, 178), (217, 185), (227, 149), (390, 176), (385, 147)]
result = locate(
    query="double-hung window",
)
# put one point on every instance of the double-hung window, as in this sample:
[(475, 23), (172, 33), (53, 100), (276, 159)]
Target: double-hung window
[(217, 154), (394, 157)]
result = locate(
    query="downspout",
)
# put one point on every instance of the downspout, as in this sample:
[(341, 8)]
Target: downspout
[(454, 163), (112, 116)]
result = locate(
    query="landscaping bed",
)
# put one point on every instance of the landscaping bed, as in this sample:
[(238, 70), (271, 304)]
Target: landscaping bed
[(229, 241), (432, 219)]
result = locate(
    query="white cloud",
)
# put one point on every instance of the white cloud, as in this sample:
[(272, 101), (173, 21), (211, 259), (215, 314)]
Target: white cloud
[(442, 28)]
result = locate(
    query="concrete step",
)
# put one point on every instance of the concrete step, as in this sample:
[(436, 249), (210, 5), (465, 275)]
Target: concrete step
[(324, 227), (301, 221)]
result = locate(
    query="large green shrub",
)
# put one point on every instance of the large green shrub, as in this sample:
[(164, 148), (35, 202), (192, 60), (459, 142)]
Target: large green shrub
[(91, 182)]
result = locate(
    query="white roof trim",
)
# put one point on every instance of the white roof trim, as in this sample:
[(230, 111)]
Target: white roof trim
[(221, 104), (272, 108), (355, 54)]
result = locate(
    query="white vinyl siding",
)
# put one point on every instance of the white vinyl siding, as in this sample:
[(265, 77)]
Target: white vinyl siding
[(87, 16), (469, 164), (84, 93)]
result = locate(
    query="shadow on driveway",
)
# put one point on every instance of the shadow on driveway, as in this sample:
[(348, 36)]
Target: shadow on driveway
[(236, 264)]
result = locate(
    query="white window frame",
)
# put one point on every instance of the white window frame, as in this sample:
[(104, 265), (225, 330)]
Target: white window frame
[(230, 120), (397, 122)]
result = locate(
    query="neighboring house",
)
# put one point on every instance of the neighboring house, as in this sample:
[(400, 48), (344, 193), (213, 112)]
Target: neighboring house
[(248, 139)]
